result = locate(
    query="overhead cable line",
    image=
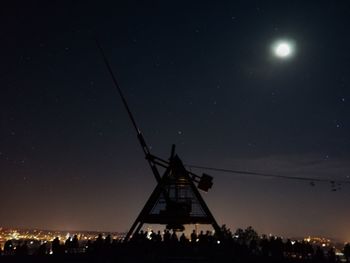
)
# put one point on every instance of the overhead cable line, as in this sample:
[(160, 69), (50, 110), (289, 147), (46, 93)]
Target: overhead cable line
[(242, 172)]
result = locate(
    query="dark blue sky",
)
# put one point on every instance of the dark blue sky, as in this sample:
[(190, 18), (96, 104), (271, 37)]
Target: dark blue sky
[(200, 75)]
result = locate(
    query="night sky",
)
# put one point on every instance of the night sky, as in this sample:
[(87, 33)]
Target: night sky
[(201, 75)]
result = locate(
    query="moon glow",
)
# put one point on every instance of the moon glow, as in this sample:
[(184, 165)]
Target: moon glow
[(283, 49)]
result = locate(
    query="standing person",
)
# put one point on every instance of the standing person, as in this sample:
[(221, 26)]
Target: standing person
[(75, 244), (166, 236), (194, 236), (174, 238), (55, 246)]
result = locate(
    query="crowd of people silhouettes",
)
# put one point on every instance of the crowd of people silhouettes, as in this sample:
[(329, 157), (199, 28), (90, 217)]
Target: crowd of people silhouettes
[(243, 245)]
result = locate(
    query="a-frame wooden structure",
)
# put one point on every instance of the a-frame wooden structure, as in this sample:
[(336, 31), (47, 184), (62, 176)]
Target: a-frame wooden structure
[(176, 201)]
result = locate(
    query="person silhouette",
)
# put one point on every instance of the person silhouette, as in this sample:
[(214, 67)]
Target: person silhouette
[(158, 237), (21, 249), (347, 251), (68, 245), (24, 249), (174, 238), (331, 255), (8, 247), (75, 244), (143, 236), (108, 241), (153, 236), (55, 246), (183, 239), (89, 247), (319, 255), (201, 237), (99, 242), (166, 236), (42, 249), (194, 236)]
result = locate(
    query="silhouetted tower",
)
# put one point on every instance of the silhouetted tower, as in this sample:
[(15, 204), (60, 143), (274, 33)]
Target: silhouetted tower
[(176, 200)]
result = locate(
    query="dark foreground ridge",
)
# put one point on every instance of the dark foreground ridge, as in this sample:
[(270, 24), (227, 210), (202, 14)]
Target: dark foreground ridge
[(243, 246)]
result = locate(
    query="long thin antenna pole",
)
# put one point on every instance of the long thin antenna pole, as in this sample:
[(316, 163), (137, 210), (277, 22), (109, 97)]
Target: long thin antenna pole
[(144, 146), (118, 88)]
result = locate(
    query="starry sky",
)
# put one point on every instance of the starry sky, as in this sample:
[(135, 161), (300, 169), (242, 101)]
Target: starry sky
[(199, 74)]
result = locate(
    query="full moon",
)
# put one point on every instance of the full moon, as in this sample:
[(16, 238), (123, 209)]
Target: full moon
[(283, 49)]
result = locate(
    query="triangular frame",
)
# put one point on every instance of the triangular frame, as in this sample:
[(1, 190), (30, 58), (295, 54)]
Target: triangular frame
[(145, 216)]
